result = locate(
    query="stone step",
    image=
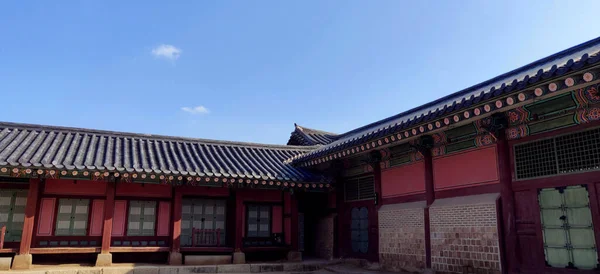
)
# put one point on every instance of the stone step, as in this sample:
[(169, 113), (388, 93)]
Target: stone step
[(302, 267)]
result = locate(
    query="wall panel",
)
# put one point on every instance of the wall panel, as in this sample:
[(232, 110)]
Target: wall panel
[(474, 167), (403, 180)]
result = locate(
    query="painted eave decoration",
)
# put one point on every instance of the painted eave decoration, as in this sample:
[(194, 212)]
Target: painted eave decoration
[(36, 151), (567, 69)]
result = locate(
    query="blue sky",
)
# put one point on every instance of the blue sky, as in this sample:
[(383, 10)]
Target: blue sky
[(247, 70)]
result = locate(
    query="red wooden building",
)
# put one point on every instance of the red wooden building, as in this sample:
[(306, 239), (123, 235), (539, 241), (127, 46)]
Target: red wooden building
[(77, 191), (502, 177)]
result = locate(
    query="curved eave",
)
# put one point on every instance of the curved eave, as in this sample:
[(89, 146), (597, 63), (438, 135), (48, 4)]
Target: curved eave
[(523, 88)]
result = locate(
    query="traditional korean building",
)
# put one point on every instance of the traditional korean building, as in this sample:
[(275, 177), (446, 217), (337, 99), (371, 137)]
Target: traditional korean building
[(502, 177)]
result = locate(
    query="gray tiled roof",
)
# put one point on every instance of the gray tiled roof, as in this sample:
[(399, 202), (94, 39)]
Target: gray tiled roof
[(49, 147), (304, 136), (575, 58)]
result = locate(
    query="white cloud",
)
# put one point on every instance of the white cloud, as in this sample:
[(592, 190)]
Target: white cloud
[(168, 52), (196, 110)]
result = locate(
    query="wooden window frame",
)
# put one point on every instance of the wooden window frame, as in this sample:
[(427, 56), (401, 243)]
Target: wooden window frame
[(247, 219), (37, 239), (357, 179)]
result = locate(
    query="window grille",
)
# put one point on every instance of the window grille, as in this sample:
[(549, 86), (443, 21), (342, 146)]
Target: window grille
[(359, 189), (259, 221), (203, 216), (567, 227), (12, 213), (72, 217), (575, 152), (142, 218)]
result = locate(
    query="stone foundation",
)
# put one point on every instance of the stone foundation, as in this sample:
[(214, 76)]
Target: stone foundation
[(294, 256), (207, 259), (239, 258), (175, 258), (464, 235), (324, 238), (21, 262), (402, 237), (104, 259)]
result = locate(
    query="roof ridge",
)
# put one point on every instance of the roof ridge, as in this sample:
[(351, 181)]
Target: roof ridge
[(151, 136), (316, 130)]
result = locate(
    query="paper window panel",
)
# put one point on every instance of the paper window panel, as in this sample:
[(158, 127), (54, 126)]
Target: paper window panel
[(21, 201), (134, 225), (81, 209), (18, 218), (5, 200), (148, 225), (64, 209), (135, 210), (220, 210), (3, 218)]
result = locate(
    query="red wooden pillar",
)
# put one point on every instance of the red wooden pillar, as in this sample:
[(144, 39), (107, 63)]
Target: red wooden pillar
[(105, 258), (23, 259), (175, 257), (109, 210), (508, 204), (294, 222), (429, 197), (238, 256), (30, 210), (374, 215), (239, 223)]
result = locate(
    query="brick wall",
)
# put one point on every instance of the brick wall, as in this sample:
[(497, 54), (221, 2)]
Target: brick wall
[(402, 237), (464, 235), (324, 238)]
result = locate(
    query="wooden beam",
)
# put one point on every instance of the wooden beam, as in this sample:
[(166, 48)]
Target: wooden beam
[(109, 210), (507, 197), (176, 232), (429, 198), (65, 250), (30, 211), (122, 249)]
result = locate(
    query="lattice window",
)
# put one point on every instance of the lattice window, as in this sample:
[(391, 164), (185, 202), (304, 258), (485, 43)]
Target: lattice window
[(258, 222), (359, 188), (579, 151), (12, 212), (203, 214), (72, 217), (576, 152), (142, 218), (567, 227)]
